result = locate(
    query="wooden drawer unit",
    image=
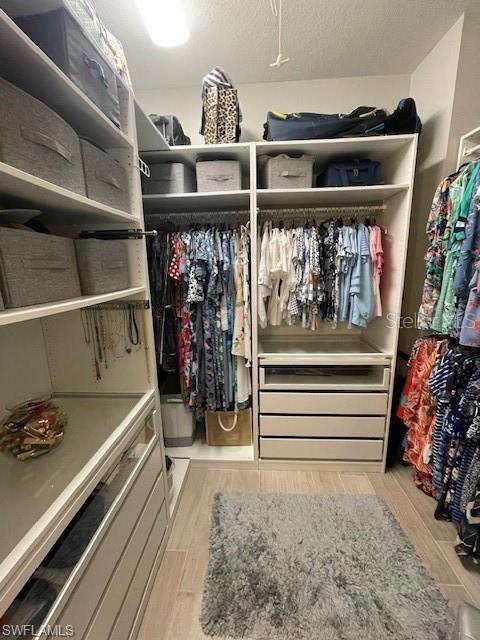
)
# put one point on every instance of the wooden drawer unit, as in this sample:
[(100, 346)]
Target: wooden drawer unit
[(318, 449), (86, 596), (127, 614), (350, 377), (153, 518), (323, 426), (353, 404)]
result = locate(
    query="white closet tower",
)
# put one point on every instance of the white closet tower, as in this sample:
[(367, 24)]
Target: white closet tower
[(323, 398), (113, 440)]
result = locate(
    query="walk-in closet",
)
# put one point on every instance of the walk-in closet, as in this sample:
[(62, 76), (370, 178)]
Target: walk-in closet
[(239, 320)]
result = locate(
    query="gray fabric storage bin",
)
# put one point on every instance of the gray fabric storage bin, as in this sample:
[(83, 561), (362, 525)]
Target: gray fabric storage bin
[(105, 178), (102, 265), (178, 422), (169, 177), (219, 175), (36, 268), (62, 38), (35, 139), (285, 172)]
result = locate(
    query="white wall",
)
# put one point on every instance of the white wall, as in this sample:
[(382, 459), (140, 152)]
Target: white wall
[(321, 96), (432, 84)]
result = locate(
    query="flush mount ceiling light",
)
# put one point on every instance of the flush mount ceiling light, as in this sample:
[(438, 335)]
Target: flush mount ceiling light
[(165, 21)]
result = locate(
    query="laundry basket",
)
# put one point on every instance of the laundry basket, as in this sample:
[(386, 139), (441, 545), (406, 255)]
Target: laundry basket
[(177, 421), (228, 428)]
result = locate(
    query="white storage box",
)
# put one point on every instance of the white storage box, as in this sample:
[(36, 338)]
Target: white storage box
[(285, 172), (219, 175), (169, 177), (177, 421)]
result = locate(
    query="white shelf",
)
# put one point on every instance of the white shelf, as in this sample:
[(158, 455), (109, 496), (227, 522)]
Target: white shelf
[(25, 65), (202, 452), (149, 137), (180, 471), (319, 350), (469, 147), (36, 493), (376, 147), (189, 154), (22, 187), (328, 195), (11, 316), (196, 201)]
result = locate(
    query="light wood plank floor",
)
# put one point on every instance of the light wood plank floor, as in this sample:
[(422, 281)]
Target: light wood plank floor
[(174, 606)]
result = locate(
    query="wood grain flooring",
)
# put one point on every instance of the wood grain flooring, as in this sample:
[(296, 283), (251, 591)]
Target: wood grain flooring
[(174, 606)]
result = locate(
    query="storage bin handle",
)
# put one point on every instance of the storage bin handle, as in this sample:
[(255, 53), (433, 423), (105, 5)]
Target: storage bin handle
[(291, 174), (96, 66), (45, 263), (220, 178), (46, 141), (223, 427), (108, 179)]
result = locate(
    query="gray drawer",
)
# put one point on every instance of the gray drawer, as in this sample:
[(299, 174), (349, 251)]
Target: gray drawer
[(106, 179), (36, 268), (127, 615), (112, 600), (321, 449), (102, 265), (35, 139), (373, 404), (86, 596), (323, 426), (334, 377)]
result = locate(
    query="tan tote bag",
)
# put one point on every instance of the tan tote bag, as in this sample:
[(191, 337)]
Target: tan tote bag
[(228, 428)]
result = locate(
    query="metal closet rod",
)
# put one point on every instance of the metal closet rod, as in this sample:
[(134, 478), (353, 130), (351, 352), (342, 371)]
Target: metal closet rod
[(196, 216), (120, 306), (311, 212)]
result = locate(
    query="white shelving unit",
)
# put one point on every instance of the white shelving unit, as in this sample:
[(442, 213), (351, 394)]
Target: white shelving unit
[(113, 437), (469, 147), (359, 398)]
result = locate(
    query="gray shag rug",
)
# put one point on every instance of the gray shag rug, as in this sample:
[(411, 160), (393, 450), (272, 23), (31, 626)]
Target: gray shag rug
[(308, 567)]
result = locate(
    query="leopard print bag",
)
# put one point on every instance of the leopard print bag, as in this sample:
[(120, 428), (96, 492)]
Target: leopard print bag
[(220, 106)]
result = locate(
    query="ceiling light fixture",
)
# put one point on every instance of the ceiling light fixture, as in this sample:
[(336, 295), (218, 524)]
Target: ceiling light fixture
[(165, 21)]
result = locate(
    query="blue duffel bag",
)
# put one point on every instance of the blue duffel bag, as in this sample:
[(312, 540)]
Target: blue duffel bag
[(362, 121), (351, 173)]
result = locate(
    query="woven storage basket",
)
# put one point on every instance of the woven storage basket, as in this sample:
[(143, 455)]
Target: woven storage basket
[(35, 139), (36, 268), (106, 179), (219, 175), (228, 428), (102, 265), (169, 177)]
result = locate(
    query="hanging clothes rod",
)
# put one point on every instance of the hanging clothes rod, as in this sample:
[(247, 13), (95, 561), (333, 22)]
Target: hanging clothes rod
[(117, 234), (312, 212), (194, 217), (120, 306)]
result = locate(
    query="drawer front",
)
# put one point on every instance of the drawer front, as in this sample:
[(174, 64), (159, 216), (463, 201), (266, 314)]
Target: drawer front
[(111, 603), (353, 377), (373, 404), (310, 449), (88, 592), (323, 426), (127, 615)]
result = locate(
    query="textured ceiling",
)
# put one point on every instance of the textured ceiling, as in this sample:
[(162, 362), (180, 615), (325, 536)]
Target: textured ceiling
[(324, 39)]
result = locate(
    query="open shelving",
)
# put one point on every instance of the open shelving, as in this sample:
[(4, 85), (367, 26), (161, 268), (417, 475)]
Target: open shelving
[(149, 137), (23, 188), (22, 314), (28, 67), (320, 196), (55, 485), (197, 201)]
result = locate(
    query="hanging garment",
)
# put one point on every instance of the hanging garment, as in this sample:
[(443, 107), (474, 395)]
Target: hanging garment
[(361, 286), (376, 254)]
